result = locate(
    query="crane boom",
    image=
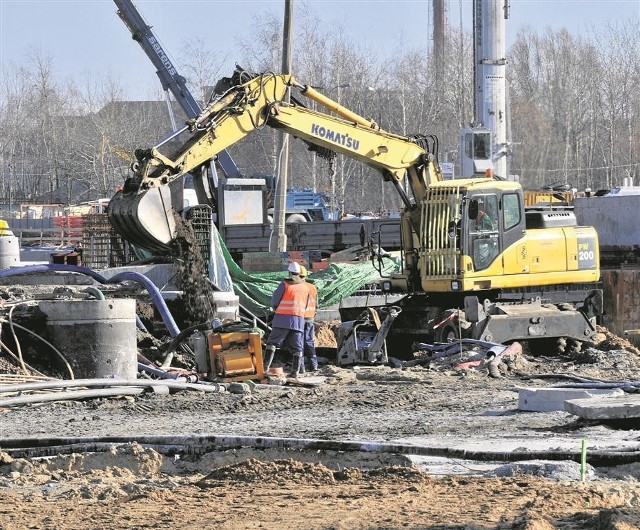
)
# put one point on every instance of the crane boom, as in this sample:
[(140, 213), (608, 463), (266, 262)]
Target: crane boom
[(168, 74)]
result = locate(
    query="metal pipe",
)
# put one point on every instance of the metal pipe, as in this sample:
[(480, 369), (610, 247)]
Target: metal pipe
[(65, 383), (330, 104), (158, 372)]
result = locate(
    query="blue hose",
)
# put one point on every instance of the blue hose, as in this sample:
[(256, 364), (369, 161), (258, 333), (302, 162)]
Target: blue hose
[(152, 370), (156, 296)]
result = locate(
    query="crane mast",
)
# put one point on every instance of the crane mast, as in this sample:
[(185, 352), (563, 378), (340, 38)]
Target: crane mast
[(489, 77)]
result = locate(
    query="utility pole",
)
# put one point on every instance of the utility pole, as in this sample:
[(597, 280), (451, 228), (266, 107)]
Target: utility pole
[(278, 242)]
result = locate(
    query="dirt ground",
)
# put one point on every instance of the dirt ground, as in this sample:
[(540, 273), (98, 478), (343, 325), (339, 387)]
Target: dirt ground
[(132, 489), (448, 406)]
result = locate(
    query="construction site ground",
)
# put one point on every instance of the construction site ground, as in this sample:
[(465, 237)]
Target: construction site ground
[(439, 408)]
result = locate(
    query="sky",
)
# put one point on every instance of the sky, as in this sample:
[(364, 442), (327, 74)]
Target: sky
[(86, 39)]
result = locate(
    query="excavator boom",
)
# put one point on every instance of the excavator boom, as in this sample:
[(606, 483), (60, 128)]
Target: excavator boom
[(143, 210)]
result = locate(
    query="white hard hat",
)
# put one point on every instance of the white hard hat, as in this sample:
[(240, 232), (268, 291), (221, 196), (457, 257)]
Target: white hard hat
[(294, 267)]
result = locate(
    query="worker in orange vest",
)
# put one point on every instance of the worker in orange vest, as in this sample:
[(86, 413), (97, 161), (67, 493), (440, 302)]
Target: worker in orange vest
[(287, 327), (309, 327)]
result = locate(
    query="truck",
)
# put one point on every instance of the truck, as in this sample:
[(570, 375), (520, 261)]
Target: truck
[(475, 264), (306, 205)]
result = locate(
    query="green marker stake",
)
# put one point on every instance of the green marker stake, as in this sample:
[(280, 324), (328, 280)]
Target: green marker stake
[(583, 460)]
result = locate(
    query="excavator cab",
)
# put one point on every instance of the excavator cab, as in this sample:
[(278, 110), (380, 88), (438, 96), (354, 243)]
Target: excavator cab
[(477, 236)]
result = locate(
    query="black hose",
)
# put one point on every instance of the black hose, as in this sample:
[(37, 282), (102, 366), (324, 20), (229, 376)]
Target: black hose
[(175, 341), (201, 444)]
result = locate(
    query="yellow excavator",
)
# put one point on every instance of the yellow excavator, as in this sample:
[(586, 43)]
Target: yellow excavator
[(476, 264)]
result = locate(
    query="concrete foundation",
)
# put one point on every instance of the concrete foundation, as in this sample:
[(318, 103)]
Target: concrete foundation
[(96, 337)]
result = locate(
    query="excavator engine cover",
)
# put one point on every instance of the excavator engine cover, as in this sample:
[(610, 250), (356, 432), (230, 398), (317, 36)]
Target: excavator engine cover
[(235, 356)]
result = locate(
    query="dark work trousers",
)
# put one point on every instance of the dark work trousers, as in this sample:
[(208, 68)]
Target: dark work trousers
[(309, 346)]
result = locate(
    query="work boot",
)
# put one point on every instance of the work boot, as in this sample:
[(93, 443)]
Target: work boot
[(269, 353), (314, 365), (295, 368), (313, 359)]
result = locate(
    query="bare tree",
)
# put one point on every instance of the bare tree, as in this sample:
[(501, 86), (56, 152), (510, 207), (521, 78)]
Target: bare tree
[(202, 67), (15, 83), (574, 110), (618, 101)]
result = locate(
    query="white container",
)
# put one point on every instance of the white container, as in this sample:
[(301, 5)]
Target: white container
[(227, 305), (9, 247)]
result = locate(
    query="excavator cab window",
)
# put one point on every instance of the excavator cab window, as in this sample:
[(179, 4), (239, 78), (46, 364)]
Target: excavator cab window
[(481, 145), (473, 210), (511, 210), (484, 236)]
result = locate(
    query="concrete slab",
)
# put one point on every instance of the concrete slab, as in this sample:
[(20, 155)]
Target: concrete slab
[(307, 380), (612, 408), (162, 275), (549, 399)]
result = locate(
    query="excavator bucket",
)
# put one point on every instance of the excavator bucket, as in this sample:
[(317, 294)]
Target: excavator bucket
[(144, 218)]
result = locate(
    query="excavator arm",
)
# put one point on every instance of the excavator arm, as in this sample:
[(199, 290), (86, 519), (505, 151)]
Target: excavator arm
[(143, 211)]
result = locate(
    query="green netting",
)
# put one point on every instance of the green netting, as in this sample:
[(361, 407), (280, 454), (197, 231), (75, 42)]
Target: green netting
[(334, 283)]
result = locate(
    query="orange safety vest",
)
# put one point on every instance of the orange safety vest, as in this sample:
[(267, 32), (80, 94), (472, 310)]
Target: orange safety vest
[(312, 306), (294, 300)]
